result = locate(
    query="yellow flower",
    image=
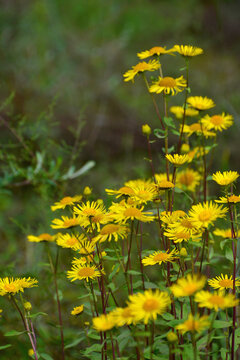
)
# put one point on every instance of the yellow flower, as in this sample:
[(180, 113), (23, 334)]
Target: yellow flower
[(83, 272), (183, 224), (41, 237), (138, 182), (159, 257), (223, 282), (200, 103), (91, 214), (169, 218), (65, 223), (146, 130), (215, 301), (194, 324), (183, 252), (178, 111), (225, 178), (188, 50), (112, 232), (198, 129), (68, 200), (177, 235), (198, 152), (143, 193), (203, 215), (148, 305), (164, 185), (12, 286), (177, 160), (140, 68), (87, 191), (30, 352), (168, 85), (189, 285), (123, 191), (74, 242), (103, 322), (232, 199), (188, 179), (156, 50), (77, 310), (217, 122), (27, 306), (185, 148), (124, 212), (226, 234), (122, 316)]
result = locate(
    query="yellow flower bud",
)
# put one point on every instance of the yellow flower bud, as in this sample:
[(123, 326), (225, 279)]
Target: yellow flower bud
[(146, 130), (30, 352), (99, 201), (183, 252), (27, 306), (172, 336), (185, 148), (87, 191)]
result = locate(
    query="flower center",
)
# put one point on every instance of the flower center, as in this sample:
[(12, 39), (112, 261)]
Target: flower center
[(164, 184), (182, 235), (186, 179), (160, 257), (98, 218), (191, 325), (156, 50), (126, 313), (70, 222), (109, 229), (167, 82), (190, 288), (150, 305), (86, 272), (89, 212), (132, 212), (141, 66), (216, 300), (125, 190), (234, 198), (216, 120), (195, 127), (227, 283), (187, 224), (45, 237), (205, 215), (66, 200), (71, 241), (10, 287)]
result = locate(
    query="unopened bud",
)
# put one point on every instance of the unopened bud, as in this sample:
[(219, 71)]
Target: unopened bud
[(185, 148), (30, 352), (146, 130), (87, 191), (172, 337), (183, 252), (27, 306)]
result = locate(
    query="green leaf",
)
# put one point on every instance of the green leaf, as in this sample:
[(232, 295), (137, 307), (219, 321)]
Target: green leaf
[(159, 133), (94, 347), (220, 324), (169, 122), (167, 316), (37, 314), (5, 346), (14, 333), (74, 342), (229, 254), (46, 356), (133, 272)]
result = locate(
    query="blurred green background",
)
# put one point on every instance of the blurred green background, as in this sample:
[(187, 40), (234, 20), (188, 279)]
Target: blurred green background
[(64, 62)]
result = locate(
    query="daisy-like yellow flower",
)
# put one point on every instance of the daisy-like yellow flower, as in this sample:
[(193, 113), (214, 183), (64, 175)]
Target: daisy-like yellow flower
[(232, 199), (226, 234), (217, 300), (112, 232), (159, 257), (177, 160), (122, 316), (83, 272), (138, 182), (188, 50), (188, 179), (197, 152), (156, 50), (168, 85), (66, 201), (178, 111), (71, 241), (225, 178), (41, 237), (198, 129), (123, 191), (188, 286), (77, 310), (124, 212), (91, 214), (144, 193), (217, 122), (12, 286), (183, 224), (164, 185), (103, 322), (65, 223), (203, 215), (177, 235), (223, 282), (194, 324), (200, 102), (141, 68), (169, 218), (146, 306)]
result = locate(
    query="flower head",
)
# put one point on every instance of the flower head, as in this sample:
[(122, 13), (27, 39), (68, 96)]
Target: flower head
[(122, 316), (65, 223), (194, 324), (159, 257), (177, 160), (146, 130), (168, 85), (189, 285), (66, 201), (217, 122), (41, 237), (123, 212), (156, 50), (204, 215), (77, 310), (112, 232), (188, 50), (178, 111), (188, 179), (12, 286), (232, 199), (141, 68), (200, 103), (103, 322), (223, 282), (225, 178), (146, 306), (83, 272), (217, 300)]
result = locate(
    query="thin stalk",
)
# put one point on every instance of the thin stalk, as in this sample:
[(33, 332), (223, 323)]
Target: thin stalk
[(129, 254), (194, 345)]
